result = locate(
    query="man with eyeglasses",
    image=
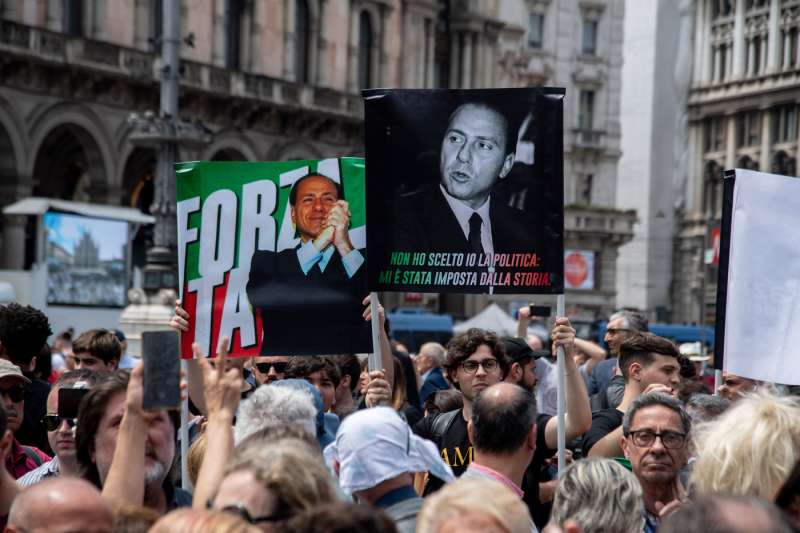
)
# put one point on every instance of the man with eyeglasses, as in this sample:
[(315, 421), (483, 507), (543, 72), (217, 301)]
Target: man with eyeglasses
[(655, 430), (60, 431), (21, 459), (475, 361)]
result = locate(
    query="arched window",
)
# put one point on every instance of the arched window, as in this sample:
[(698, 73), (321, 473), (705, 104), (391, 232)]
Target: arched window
[(364, 50), (302, 34)]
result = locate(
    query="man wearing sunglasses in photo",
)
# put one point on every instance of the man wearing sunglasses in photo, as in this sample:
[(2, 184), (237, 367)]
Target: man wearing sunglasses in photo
[(60, 431), (268, 369), (21, 459)]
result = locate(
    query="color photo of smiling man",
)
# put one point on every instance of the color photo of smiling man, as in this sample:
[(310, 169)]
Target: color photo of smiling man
[(472, 211)]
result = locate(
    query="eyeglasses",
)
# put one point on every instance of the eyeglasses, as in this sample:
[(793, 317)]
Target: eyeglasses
[(15, 392), (614, 331), (53, 422), (242, 512), (645, 438), (280, 368), (470, 367)]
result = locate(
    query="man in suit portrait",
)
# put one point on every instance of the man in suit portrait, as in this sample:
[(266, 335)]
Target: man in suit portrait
[(314, 289), (462, 213)]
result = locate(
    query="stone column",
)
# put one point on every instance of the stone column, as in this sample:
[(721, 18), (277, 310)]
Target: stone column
[(762, 64), (738, 40), (381, 60), (352, 52), (774, 42), (699, 39), (55, 15), (717, 64), (786, 50), (455, 59), (751, 58), (322, 47), (694, 185), (288, 40), (729, 66), (466, 61), (430, 50), (730, 141), (766, 141), (218, 33), (707, 46), (14, 242)]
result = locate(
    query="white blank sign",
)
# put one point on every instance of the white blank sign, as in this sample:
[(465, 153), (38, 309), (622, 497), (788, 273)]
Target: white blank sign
[(762, 325)]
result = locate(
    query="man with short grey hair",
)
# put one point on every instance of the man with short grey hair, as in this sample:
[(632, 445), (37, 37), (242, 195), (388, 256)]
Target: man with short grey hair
[(656, 430), (620, 326), (271, 405), (429, 362)]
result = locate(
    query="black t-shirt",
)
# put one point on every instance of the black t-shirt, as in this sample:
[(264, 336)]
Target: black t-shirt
[(456, 450), (603, 422), (32, 432)]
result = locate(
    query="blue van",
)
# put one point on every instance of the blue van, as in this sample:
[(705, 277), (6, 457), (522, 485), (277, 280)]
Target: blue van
[(414, 327)]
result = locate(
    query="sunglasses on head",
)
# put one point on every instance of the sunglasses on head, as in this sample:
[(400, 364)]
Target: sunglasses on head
[(53, 422), (15, 392), (242, 512), (280, 368)]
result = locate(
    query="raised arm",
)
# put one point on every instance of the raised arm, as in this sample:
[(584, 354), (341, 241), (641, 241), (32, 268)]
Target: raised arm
[(222, 392), (578, 411), (124, 484)]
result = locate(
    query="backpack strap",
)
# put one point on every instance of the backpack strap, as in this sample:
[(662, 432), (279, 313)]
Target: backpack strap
[(32, 455), (442, 423)]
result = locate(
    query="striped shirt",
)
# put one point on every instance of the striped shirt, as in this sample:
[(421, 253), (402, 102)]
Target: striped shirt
[(47, 470)]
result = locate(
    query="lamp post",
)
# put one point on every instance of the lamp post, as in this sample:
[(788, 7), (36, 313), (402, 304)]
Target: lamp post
[(150, 307)]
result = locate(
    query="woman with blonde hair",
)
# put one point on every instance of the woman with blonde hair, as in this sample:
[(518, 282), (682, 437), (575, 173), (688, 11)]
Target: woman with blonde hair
[(750, 449), (269, 484)]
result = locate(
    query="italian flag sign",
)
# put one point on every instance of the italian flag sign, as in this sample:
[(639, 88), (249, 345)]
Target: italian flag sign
[(272, 255)]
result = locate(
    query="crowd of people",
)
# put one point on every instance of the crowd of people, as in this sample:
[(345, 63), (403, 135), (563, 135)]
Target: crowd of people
[(453, 438)]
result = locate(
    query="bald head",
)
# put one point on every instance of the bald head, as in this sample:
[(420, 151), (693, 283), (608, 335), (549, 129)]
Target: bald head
[(60, 505), (502, 417)]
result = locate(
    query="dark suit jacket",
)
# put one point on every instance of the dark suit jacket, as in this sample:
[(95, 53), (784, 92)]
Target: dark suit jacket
[(434, 382), (425, 223), (320, 311)]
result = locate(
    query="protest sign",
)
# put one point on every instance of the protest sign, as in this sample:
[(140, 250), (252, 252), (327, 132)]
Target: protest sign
[(273, 251), (465, 190), (758, 288)]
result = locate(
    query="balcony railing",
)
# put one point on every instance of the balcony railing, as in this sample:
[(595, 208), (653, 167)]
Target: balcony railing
[(590, 139), (60, 48)]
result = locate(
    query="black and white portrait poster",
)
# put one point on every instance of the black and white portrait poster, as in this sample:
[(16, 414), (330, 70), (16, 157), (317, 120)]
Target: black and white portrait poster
[(465, 190)]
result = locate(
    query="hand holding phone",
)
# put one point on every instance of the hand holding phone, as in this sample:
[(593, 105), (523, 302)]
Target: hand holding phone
[(162, 370)]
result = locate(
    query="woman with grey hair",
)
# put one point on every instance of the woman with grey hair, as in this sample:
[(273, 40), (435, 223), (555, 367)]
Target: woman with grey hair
[(601, 495)]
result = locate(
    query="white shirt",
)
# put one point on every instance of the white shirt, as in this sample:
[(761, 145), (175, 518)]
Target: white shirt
[(463, 212)]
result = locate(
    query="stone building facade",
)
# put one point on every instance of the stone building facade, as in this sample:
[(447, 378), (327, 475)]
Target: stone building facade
[(279, 79), (743, 113)]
